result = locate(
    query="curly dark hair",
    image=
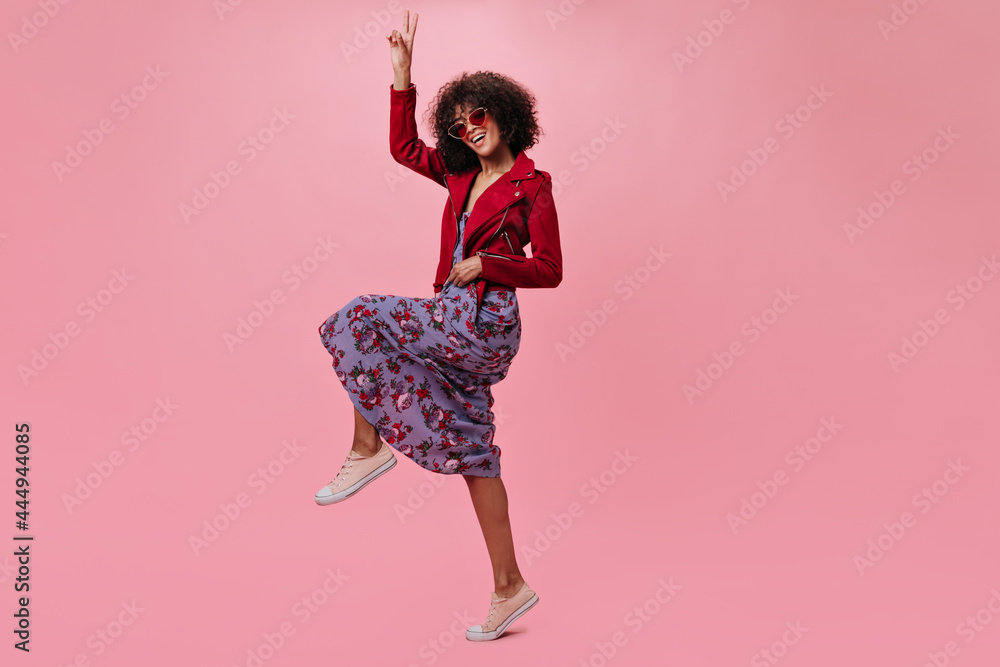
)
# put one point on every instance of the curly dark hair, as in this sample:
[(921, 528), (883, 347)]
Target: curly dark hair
[(510, 104)]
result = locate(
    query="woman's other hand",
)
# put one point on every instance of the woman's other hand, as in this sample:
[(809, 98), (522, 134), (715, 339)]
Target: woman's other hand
[(465, 271)]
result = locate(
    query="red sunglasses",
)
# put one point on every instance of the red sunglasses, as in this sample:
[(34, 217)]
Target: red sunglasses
[(460, 128)]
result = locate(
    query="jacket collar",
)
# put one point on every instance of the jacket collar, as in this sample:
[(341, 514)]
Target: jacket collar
[(500, 194), (524, 167)]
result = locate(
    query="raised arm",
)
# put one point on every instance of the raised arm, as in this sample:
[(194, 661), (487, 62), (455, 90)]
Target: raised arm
[(406, 147)]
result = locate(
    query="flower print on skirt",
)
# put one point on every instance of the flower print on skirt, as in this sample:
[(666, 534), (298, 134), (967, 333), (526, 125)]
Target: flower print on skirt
[(420, 371)]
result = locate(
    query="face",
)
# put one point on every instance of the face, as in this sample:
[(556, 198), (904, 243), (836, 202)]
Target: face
[(489, 131)]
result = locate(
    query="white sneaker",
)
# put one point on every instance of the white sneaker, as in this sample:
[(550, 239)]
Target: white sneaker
[(503, 612), (355, 473)]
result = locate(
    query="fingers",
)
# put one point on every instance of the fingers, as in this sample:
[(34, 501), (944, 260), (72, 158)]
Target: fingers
[(409, 29)]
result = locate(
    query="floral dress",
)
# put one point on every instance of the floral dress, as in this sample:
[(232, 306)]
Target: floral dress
[(420, 369)]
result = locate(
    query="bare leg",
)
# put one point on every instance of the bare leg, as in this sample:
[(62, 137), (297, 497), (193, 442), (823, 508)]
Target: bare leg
[(366, 439), (489, 496)]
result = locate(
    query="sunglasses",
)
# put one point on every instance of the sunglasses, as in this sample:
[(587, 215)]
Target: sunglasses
[(460, 128)]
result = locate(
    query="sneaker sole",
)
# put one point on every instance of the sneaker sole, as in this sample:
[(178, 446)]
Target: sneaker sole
[(495, 634), (360, 484)]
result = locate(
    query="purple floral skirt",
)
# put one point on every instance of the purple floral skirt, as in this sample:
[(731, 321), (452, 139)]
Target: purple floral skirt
[(420, 371)]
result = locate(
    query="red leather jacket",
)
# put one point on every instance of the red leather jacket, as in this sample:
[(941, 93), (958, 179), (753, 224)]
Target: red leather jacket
[(521, 200)]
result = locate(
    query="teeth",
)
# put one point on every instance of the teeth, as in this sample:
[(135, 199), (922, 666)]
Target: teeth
[(479, 138)]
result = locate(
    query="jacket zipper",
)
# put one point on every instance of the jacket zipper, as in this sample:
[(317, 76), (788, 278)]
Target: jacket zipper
[(493, 254), (492, 217), (479, 252), (509, 244), (453, 211), (450, 199)]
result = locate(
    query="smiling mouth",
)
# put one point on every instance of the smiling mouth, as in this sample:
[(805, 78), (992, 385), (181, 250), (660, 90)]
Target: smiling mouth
[(478, 139)]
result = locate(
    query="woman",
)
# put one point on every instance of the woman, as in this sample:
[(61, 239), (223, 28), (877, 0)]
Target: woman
[(419, 370)]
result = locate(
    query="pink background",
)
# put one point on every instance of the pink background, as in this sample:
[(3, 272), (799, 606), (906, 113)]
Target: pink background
[(639, 145)]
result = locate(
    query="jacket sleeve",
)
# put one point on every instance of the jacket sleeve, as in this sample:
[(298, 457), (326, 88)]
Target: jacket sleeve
[(544, 267), (404, 144)]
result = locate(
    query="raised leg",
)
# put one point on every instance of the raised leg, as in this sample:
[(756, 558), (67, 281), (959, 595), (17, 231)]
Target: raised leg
[(489, 496), (366, 439)]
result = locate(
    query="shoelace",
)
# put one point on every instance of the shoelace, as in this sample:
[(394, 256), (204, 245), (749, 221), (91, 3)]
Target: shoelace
[(345, 469), (494, 605)]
